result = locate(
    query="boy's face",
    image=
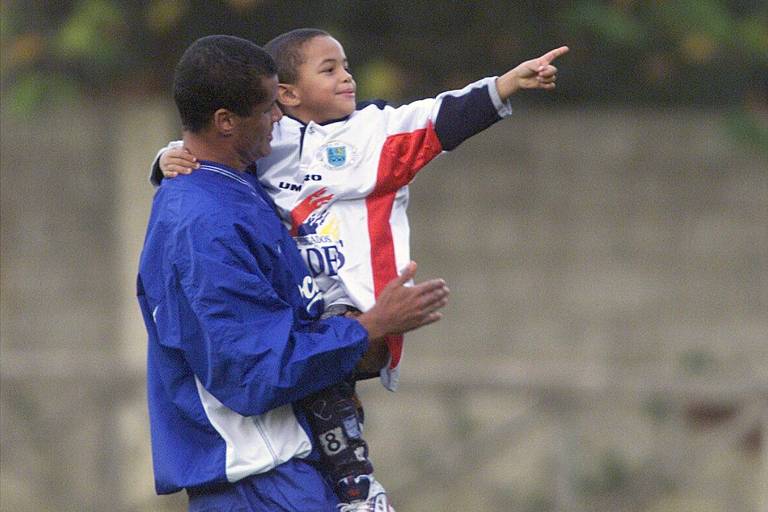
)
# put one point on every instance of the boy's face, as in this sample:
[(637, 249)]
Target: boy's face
[(325, 87)]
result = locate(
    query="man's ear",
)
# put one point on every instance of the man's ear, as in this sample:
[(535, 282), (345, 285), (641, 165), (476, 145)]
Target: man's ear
[(224, 121), (288, 95)]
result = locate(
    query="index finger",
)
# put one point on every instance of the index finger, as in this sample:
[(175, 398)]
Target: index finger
[(553, 54)]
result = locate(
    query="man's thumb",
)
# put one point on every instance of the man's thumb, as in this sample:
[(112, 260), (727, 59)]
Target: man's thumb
[(407, 274)]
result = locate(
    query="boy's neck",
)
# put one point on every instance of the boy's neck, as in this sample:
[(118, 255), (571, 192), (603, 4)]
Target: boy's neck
[(299, 116), (306, 118)]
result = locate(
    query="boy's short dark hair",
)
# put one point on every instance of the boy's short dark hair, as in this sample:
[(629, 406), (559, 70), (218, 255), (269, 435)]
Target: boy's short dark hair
[(220, 72), (286, 50)]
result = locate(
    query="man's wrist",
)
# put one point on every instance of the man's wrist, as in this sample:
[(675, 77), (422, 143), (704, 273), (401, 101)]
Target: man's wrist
[(370, 323)]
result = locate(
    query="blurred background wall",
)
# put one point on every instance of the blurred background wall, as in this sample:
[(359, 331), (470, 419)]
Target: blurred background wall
[(606, 347)]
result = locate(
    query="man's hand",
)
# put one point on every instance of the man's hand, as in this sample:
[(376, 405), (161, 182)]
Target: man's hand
[(401, 308), (531, 74), (177, 161)]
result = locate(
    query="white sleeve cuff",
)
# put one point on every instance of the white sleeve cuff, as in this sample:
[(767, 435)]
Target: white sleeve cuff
[(155, 174), (504, 108)]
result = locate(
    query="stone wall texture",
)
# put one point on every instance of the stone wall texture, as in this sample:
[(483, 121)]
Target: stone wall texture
[(606, 346)]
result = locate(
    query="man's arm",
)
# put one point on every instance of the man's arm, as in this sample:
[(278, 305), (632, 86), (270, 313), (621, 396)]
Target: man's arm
[(245, 342)]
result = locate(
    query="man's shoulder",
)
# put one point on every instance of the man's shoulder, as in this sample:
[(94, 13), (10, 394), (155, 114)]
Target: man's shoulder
[(189, 192), (200, 199)]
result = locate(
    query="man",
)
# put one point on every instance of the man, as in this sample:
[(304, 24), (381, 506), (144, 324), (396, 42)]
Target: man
[(232, 312)]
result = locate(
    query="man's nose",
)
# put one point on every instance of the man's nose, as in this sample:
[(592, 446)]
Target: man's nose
[(277, 114)]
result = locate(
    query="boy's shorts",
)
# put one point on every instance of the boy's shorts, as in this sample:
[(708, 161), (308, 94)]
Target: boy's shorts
[(295, 486)]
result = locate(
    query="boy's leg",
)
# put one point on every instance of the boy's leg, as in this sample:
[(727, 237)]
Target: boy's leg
[(335, 417)]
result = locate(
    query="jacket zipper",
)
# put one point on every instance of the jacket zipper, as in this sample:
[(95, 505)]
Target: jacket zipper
[(260, 427)]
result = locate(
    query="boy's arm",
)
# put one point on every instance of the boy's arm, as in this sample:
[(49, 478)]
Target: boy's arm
[(464, 115), (171, 161), (419, 131)]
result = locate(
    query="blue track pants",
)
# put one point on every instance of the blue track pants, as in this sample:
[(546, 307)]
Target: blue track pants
[(291, 487)]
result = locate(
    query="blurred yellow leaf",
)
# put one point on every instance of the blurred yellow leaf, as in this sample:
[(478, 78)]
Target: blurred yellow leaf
[(25, 49), (380, 79), (163, 15), (698, 48)]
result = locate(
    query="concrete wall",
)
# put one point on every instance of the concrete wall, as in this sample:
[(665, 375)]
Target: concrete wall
[(605, 349)]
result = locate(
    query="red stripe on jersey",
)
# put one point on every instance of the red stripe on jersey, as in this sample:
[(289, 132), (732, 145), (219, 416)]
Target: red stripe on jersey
[(403, 155), (383, 255), (401, 158)]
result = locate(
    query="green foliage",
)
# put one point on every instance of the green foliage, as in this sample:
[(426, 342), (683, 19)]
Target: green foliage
[(636, 52), (749, 129), (611, 25), (36, 88), (91, 33)]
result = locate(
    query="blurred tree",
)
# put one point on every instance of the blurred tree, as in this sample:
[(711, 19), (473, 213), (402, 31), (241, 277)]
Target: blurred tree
[(697, 52), (640, 52)]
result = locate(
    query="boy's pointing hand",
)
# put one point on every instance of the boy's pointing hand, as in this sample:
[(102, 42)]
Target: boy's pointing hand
[(532, 74)]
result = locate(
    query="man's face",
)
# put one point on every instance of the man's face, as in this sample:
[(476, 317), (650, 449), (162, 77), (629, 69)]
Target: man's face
[(324, 84), (254, 132)]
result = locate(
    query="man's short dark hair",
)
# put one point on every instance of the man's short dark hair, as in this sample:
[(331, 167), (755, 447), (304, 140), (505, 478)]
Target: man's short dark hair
[(286, 50), (220, 72)]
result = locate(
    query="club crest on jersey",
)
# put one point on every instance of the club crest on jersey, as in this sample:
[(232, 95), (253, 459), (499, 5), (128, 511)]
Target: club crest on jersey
[(336, 155)]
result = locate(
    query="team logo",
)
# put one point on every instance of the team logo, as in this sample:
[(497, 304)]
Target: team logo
[(337, 155)]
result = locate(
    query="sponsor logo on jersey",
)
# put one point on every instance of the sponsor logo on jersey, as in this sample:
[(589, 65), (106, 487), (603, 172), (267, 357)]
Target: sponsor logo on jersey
[(322, 256), (311, 292), (287, 185), (310, 240), (336, 155)]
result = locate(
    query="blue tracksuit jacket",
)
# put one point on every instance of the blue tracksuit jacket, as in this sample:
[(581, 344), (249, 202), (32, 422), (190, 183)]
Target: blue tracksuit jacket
[(234, 337)]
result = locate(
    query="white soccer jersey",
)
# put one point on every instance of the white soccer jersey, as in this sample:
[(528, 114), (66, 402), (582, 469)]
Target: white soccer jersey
[(341, 187)]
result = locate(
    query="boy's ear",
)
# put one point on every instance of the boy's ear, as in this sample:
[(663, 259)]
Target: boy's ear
[(288, 95), (224, 122)]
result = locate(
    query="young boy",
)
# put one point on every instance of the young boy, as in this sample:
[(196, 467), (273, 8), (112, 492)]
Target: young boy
[(338, 175)]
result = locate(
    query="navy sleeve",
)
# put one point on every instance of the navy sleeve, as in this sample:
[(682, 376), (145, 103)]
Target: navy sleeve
[(461, 117), (155, 174), (244, 341)]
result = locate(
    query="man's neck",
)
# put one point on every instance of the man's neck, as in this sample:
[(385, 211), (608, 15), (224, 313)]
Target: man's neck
[(212, 148)]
